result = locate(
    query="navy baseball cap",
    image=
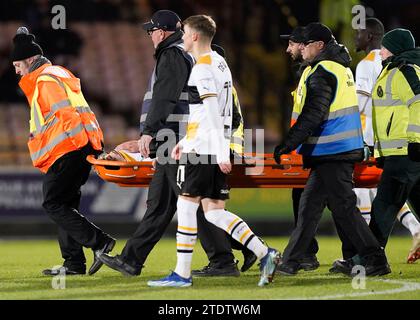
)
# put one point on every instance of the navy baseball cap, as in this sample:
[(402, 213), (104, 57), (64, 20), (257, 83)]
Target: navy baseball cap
[(317, 31), (163, 19), (295, 36)]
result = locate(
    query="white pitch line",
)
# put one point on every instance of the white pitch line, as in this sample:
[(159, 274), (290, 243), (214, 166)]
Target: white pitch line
[(406, 287)]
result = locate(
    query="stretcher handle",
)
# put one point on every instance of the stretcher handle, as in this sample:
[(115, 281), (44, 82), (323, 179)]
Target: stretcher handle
[(120, 176), (92, 160), (267, 158)]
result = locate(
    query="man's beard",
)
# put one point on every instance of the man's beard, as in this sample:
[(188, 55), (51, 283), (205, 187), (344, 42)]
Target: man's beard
[(297, 58)]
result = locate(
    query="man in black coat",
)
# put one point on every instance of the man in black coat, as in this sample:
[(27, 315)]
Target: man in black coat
[(308, 261), (162, 123), (330, 142), (163, 114)]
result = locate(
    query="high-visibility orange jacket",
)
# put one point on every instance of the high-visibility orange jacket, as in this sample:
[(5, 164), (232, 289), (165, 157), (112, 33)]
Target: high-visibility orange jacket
[(61, 120)]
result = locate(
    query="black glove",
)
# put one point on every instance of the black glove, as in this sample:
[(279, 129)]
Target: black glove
[(279, 150), (414, 151), (380, 162)]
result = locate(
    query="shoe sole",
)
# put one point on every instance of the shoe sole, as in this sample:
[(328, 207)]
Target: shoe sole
[(380, 272), (127, 274), (99, 263), (122, 271), (309, 268), (152, 285), (377, 272), (335, 271), (283, 273), (340, 270), (347, 274)]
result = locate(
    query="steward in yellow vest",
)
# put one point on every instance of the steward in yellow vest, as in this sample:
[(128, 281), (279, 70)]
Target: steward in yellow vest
[(329, 133), (63, 131), (396, 125), (396, 106), (327, 116)]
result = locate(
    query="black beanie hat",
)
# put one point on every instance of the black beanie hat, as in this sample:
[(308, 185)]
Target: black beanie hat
[(24, 45), (398, 41)]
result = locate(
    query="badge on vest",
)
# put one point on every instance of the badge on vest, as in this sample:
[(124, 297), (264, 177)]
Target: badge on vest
[(380, 92)]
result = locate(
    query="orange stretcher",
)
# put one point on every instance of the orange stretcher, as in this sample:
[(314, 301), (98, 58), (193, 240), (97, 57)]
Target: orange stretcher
[(258, 171)]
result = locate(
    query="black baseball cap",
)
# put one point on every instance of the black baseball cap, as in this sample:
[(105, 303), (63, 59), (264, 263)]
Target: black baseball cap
[(317, 31), (163, 19), (295, 36)]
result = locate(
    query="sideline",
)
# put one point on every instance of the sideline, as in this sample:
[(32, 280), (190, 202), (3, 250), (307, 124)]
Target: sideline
[(406, 287)]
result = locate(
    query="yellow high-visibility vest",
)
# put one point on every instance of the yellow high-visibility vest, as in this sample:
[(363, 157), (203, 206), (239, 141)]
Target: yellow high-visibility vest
[(341, 130), (298, 94), (395, 112), (237, 139)]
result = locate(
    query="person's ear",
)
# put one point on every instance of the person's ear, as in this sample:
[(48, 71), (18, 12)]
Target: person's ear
[(195, 36)]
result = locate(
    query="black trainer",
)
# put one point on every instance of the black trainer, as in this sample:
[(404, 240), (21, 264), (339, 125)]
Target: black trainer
[(342, 266), (63, 271), (377, 265), (97, 263), (308, 263), (230, 270), (249, 259), (289, 268), (120, 265)]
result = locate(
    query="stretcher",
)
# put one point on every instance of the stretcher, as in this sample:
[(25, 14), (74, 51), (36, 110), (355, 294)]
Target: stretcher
[(256, 171)]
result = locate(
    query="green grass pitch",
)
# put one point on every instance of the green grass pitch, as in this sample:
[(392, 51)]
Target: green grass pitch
[(21, 263)]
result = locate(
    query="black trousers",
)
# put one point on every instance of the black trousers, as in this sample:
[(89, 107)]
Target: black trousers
[(330, 183), (400, 181), (161, 207), (313, 246), (61, 190)]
